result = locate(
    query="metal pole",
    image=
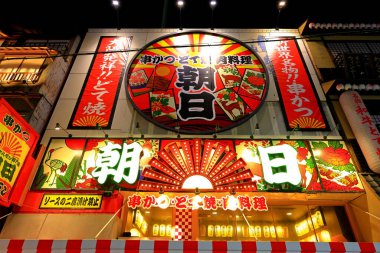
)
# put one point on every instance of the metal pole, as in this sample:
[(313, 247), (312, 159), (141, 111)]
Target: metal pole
[(278, 18), (212, 18), (164, 13), (109, 221), (2, 217), (180, 18)]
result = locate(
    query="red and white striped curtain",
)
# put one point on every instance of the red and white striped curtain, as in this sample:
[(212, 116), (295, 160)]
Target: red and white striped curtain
[(147, 246)]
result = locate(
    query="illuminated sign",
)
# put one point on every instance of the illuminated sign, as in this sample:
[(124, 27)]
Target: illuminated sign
[(17, 140), (280, 164), (207, 202), (301, 104), (71, 201), (121, 162), (96, 104), (176, 165), (197, 82)]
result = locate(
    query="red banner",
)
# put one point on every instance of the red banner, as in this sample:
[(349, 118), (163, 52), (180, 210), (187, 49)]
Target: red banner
[(17, 142), (96, 104), (301, 104)]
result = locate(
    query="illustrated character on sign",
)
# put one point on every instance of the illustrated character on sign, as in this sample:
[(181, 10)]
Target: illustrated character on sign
[(54, 165)]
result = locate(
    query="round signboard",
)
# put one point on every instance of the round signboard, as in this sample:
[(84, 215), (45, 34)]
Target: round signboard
[(197, 82)]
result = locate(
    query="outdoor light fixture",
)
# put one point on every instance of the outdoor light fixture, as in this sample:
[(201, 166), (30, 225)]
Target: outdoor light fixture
[(59, 127), (256, 131), (216, 130), (138, 127), (177, 128), (296, 128), (180, 5), (280, 5), (212, 5), (116, 5), (100, 128)]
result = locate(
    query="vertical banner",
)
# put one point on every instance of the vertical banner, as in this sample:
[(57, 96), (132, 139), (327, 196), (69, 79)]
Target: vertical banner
[(300, 102), (364, 128), (17, 141), (96, 103)]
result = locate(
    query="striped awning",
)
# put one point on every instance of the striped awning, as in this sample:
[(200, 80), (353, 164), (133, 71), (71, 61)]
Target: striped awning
[(147, 246)]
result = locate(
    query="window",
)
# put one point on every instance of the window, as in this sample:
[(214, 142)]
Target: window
[(279, 223)]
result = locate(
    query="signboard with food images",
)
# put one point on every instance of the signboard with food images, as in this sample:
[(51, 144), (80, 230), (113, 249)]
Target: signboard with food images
[(177, 165), (197, 82)]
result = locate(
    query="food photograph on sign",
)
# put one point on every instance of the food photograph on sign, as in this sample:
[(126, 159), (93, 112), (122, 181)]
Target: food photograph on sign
[(197, 82)]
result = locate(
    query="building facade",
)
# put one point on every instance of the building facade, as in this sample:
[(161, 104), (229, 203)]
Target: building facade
[(199, 136)]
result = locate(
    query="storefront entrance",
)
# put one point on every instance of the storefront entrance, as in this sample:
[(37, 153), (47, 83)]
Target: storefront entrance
[(305, 223)]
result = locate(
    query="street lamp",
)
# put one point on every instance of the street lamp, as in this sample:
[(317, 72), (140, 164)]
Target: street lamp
[(281, 4), (212, 5), (180, 5), (116, 5)]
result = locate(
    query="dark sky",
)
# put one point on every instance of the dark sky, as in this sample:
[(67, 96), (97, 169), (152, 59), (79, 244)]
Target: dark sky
[(72, 16)]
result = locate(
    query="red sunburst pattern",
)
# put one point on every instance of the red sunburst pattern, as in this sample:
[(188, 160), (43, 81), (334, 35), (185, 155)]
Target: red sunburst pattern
[(10, 144), (211, 159)]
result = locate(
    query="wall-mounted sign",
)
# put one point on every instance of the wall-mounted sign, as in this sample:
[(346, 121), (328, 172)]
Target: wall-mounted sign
[(177, 165), (208, 202), (71, 201), (17, 141), (96, 103), (197, 82), (300, 102)]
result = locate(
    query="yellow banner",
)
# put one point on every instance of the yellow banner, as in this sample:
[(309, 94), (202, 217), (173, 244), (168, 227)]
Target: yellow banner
[(71, 201)]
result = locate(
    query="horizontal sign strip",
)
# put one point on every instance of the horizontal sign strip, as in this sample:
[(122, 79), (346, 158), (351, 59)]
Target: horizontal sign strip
[(71, 201)]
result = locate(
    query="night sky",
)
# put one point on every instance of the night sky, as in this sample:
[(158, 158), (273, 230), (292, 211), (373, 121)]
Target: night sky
[(70, 17)]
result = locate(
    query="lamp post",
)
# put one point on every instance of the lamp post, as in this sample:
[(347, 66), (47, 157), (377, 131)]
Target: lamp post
[(212, 5), (281, 4), (180, 4), (116, 5)]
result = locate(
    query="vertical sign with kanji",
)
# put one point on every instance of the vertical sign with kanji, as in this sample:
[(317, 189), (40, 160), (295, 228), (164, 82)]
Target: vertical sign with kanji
[(363, 126), (96, 103), (300, 102), (17, 140)]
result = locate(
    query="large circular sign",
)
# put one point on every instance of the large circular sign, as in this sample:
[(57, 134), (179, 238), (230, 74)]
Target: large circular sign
[(197, 82)]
